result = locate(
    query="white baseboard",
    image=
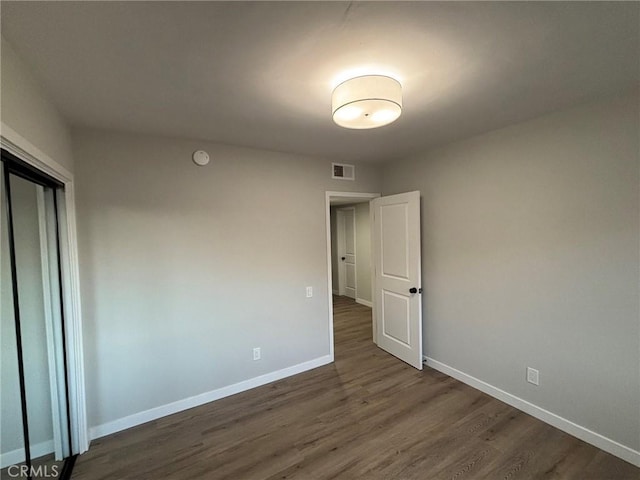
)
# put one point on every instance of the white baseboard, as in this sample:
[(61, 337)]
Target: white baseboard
[(578, 431), (197, 400), (17, 456), (335, 292), (366, 303)]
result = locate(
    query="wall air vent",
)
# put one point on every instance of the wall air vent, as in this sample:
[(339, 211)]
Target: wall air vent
[(342, 171)]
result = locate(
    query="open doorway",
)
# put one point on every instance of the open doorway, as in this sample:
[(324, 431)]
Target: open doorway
[(394, 321), (349, 256)]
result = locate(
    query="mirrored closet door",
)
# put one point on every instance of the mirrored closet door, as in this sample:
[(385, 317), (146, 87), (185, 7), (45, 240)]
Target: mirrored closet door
[(35, 422)]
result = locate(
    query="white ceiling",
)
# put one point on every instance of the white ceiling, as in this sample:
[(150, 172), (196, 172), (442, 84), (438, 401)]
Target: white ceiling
[(261, 74)]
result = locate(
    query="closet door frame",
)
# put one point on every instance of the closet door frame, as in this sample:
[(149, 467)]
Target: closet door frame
[(31, 157)]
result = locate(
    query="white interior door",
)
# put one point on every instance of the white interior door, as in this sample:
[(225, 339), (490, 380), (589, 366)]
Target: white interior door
[(397, 288), (346, 223)]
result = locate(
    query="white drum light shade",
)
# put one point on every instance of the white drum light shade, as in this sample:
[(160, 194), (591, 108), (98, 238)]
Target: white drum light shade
[(369, 101)]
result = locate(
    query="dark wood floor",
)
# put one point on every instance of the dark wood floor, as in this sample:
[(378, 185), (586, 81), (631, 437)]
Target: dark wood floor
[(366, 416)]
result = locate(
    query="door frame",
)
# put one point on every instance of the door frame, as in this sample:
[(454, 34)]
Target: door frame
[(328, 196), (14, 143)]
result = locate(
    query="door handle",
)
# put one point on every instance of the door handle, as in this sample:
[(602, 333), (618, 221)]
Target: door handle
[(344, 258), (415, 290)]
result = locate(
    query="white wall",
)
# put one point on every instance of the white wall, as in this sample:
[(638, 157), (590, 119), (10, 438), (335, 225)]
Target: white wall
[(530, 241), (25, 108), (185, 269)]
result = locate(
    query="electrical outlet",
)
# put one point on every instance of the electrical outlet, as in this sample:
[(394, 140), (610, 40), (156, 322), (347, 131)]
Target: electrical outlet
[(309, 292), (256, 353), (533, 376)]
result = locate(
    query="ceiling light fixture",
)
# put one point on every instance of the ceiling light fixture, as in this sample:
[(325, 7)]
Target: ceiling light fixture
[(369, 101)]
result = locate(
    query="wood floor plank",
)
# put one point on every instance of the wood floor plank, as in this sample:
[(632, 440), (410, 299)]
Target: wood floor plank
[(368, 415)]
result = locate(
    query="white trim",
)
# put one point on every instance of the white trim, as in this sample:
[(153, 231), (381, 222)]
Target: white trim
[(366, 303), (354, 195), (327, 197), (15, 143), (16, 456), (50, 329), (578, 431), (197, 400), (374, 322), (73, 315)]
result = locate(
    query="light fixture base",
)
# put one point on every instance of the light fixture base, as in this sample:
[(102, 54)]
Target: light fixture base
[(368, 101)]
